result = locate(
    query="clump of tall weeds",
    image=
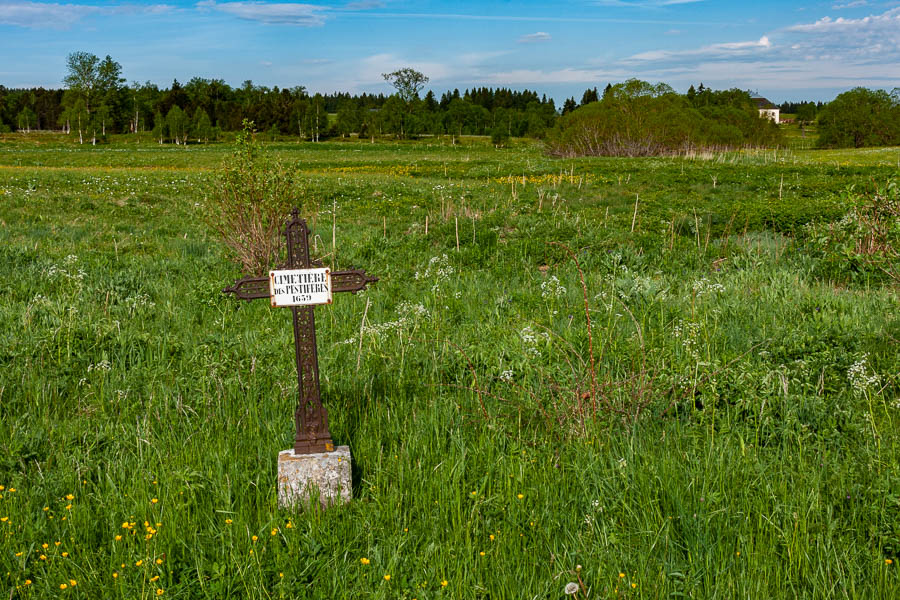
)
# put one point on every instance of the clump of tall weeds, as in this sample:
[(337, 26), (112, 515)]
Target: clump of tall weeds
[(865, 243), (250, 198)]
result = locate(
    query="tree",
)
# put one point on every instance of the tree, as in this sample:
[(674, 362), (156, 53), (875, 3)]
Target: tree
[(347, 118), (569, 105), (860, 117), (109, 88), (408, 82), (159, 127), (177, 123), (81, 78), (25, 119), (75, 112), (202, 126), (590, 95)]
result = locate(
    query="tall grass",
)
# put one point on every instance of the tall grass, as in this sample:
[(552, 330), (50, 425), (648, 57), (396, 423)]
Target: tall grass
[(763, 461)]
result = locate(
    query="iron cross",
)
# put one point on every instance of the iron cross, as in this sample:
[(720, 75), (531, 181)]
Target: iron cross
[(311, 418)]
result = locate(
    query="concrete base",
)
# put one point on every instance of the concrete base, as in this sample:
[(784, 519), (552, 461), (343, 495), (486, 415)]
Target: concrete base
[(325, 476)]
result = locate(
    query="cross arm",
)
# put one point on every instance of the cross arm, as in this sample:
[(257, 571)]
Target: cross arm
[(249, 288), (352, 280)]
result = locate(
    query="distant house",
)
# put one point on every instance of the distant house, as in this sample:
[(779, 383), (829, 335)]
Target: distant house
[(767, 109)]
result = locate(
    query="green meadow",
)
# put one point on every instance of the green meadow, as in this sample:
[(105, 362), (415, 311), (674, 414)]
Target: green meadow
[(651, 378)]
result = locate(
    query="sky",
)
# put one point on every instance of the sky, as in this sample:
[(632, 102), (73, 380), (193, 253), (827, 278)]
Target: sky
[(784, 50)]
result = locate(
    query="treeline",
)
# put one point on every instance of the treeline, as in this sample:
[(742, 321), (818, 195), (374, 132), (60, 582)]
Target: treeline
[(97, 102), (637, 118)]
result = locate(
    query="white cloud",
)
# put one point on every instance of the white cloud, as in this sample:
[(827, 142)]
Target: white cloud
[(875, 38), (303, 15), (719, 51), (62, 16), (538, 36)]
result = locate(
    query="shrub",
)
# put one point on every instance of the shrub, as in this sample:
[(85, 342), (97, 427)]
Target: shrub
[(248, 204)]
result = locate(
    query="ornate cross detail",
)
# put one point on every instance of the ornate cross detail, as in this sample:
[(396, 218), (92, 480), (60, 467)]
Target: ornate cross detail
[(311, 418)]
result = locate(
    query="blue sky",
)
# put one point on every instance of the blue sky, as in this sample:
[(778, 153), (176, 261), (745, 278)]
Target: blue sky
[(785, 50)]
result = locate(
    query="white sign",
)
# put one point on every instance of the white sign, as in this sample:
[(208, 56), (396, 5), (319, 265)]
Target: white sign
[(300, 287)]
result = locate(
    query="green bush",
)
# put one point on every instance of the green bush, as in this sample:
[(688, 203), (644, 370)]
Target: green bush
[(864, 244), (860, 117)]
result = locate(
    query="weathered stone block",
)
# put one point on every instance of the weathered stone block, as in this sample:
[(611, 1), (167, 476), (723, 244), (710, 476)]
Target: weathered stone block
[(325, 475)]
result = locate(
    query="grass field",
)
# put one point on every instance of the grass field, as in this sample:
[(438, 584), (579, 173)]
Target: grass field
[(738, 437)]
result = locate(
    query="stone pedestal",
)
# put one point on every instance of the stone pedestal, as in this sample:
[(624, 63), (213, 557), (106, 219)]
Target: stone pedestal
[(325, 476)]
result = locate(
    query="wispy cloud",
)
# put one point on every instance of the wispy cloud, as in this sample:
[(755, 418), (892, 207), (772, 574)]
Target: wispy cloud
[(553, 76), (48, 15), (364, 5), (538, 36), (726, 50), (303, 15), (643, 3), (854, 4)]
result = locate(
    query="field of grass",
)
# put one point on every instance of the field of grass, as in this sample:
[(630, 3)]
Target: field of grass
[(726, 427)]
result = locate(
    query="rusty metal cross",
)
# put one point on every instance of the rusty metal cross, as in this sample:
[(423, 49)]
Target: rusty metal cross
[(311, 418)]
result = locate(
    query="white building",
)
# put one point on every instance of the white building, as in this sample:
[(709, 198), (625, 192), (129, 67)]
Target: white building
[(768, 110)]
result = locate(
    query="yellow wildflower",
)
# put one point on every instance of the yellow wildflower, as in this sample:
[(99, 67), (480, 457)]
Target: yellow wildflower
[(154, 500), (62, 586), (68, 507), (70, 497), (888, 561), (115, 575), (274, 531), (228, 521), (254, 538), (42, 557), (139, 563), (481, 553), (45, 545), (364, 560), (154, 578), (65, 554), (520, 496), (27, 582), (387, 577), (159, 591), (118, 538), (621, 575), (18, 554), (73, 583), (444, 583)]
